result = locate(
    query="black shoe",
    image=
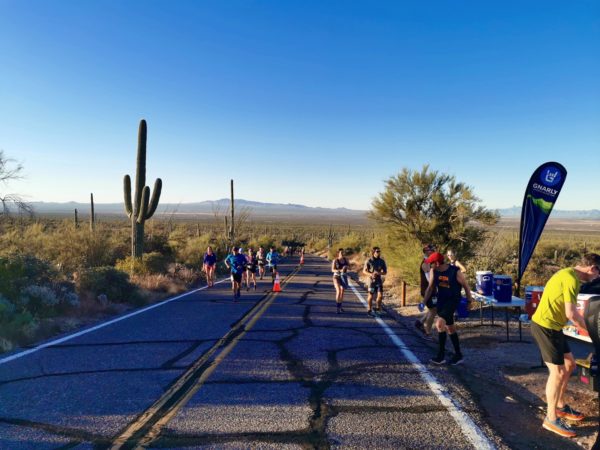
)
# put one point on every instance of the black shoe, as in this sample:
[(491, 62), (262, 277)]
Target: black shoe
[(419, 326), (456, 360), (378, 312), (439, 360), (370, 313)]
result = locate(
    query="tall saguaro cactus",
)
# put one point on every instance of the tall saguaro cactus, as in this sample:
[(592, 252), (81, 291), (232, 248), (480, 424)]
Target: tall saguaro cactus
[(92, 214), (143, 207), (232, 231)]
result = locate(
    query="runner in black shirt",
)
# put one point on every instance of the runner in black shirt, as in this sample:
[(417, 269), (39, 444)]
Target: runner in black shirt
[(339, 267), (448, 280), (375, 268)]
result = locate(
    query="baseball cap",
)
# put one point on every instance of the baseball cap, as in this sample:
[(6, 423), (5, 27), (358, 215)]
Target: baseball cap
[(435, 257)]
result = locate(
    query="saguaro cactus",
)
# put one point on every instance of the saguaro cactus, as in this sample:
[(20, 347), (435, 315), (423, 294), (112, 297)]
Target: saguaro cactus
[(232, 231), (143, 207), (92, 215)]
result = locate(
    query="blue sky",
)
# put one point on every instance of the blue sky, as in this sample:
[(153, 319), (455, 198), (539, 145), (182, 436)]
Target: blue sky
[(299, 101)]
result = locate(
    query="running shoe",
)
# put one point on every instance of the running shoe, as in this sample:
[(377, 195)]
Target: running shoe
[(378, 312), (419, 326), (456, 360), (559, 427), (566, 412), (439, 360), (428, 337), (370, 313)]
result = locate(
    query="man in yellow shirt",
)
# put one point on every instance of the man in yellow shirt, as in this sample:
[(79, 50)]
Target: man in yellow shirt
[(557, 306)]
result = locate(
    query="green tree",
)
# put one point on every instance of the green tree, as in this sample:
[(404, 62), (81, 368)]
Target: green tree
[(432, 207)]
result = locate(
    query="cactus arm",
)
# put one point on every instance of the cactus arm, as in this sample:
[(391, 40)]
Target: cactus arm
[(141, 217), (155, 198), (127, 195)]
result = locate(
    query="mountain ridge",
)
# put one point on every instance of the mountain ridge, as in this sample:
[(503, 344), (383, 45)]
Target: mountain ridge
[(265, 208)]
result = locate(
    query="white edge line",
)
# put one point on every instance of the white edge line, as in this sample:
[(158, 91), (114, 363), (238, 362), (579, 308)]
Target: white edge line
[(468, 427), (101, 325)]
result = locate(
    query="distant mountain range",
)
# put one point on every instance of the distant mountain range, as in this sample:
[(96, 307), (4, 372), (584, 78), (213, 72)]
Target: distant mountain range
[(274, 210), (584, 214), (257, 209)]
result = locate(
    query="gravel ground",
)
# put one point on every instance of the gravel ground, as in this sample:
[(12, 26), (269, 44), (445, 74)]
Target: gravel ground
[(507, 368)]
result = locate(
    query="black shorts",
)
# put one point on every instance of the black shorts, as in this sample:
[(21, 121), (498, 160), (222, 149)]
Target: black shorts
[(273, 268), (552, 344), (251, 268), (237, 277), (376, 285), (431, 303), (446, 310)]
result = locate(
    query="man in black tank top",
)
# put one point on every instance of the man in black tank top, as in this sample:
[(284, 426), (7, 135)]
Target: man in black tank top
[(448, 281)]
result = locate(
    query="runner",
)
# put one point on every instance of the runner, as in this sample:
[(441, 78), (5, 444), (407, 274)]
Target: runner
[(260, 258), (557, 306), (235, 262), (209, 265), (375, 268), (339, 267), (448, 281), (454, 261), (251, 264), (272, 260), (425, 323)]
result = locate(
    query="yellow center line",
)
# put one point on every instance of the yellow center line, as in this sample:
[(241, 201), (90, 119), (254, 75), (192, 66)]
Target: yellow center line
[(138, 425)]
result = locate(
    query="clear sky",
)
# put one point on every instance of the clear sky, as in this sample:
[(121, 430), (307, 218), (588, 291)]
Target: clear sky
[(311, 102)]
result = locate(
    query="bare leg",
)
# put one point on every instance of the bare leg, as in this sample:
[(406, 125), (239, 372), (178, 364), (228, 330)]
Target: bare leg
[(429, 319), (569, 368), (553, 386)]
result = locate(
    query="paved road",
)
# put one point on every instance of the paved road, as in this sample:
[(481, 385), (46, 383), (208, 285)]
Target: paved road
[(270, 371)]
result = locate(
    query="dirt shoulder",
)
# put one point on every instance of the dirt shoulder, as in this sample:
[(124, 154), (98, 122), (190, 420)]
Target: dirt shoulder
[(502, 377)]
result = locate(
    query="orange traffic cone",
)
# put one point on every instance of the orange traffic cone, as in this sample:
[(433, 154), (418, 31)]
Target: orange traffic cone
[(302, 259), (276, 285)]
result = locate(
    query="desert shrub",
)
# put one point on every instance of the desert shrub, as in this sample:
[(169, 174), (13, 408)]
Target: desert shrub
[(112, 282), (158, 243), (65, 246), (351, 243), (39, 300), (184, 274), (265, 241), (317, 245), (19, 271), (149, 263), (192, 251), (7, 309)]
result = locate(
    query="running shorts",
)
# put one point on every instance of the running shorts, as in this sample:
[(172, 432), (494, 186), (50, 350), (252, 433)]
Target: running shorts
[(446, 310), (342, 280), (376, 286), (237, 277), (552, 344)]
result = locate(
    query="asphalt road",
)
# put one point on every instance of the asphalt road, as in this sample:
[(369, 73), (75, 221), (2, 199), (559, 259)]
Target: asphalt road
[(270, 371)]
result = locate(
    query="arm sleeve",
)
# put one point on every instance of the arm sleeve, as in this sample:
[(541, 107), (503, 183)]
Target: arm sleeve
[(570, 290)]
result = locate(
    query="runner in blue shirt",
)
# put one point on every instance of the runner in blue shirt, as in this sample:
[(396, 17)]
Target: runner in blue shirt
[(236, 263), (272, 260)]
